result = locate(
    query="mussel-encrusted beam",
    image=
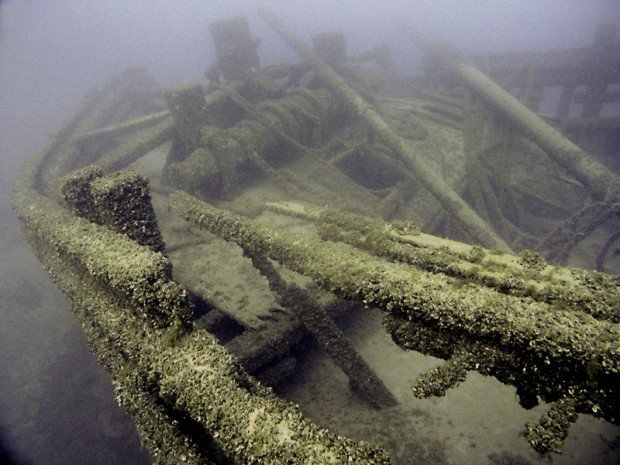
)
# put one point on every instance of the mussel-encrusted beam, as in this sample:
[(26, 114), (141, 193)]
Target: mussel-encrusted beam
[(549, 434), (123, 295), (468, 218), (141, 276), (526, 274), (121, 129), (160, 431), (578, 394), (438, 380), (562, 240), (137, 146), (549, 336)]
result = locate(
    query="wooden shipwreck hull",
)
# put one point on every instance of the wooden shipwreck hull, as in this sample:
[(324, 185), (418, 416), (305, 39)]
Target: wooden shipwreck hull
[(277, 145)]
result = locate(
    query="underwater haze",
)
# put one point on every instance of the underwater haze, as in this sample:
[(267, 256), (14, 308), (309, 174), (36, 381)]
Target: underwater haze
[(57, 405)]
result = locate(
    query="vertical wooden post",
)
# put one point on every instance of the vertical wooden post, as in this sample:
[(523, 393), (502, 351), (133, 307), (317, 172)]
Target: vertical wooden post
[(533, 93), (189, 110), (566, 99), (123, 201), (235, 50), (600, 74)]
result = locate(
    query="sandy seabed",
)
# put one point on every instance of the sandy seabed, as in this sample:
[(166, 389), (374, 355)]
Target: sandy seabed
[(480, 421)]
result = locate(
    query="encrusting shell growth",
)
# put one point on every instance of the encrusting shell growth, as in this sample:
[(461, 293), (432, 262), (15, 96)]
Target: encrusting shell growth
[(290, 163)]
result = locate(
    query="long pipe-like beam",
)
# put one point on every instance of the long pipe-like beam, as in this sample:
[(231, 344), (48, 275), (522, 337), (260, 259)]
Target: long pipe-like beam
[(467, 217), (604, 184)]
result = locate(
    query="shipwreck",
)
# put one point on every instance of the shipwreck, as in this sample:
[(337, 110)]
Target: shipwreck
[(447, 202)]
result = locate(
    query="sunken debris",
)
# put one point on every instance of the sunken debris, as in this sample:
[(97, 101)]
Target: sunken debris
[(318, 132)]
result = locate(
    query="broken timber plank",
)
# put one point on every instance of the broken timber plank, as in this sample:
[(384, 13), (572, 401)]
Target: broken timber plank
[(316, 320)]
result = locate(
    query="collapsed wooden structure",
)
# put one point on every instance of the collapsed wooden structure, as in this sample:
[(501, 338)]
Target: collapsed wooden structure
[(263, 137)]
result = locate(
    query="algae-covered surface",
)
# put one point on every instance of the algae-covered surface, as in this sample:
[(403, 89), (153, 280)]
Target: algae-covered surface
[(65, 411), (478, 422), (481, 421), (518, 306)]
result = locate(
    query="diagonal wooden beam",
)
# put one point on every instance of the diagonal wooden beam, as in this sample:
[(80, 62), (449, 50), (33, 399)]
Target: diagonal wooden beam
[(477, 228)]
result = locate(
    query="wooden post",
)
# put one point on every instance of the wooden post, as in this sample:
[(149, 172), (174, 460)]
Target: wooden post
[(189, 110), (235, 50), (565, 100), (600, 75), (123, 201), (331, 46), (533, 93)]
